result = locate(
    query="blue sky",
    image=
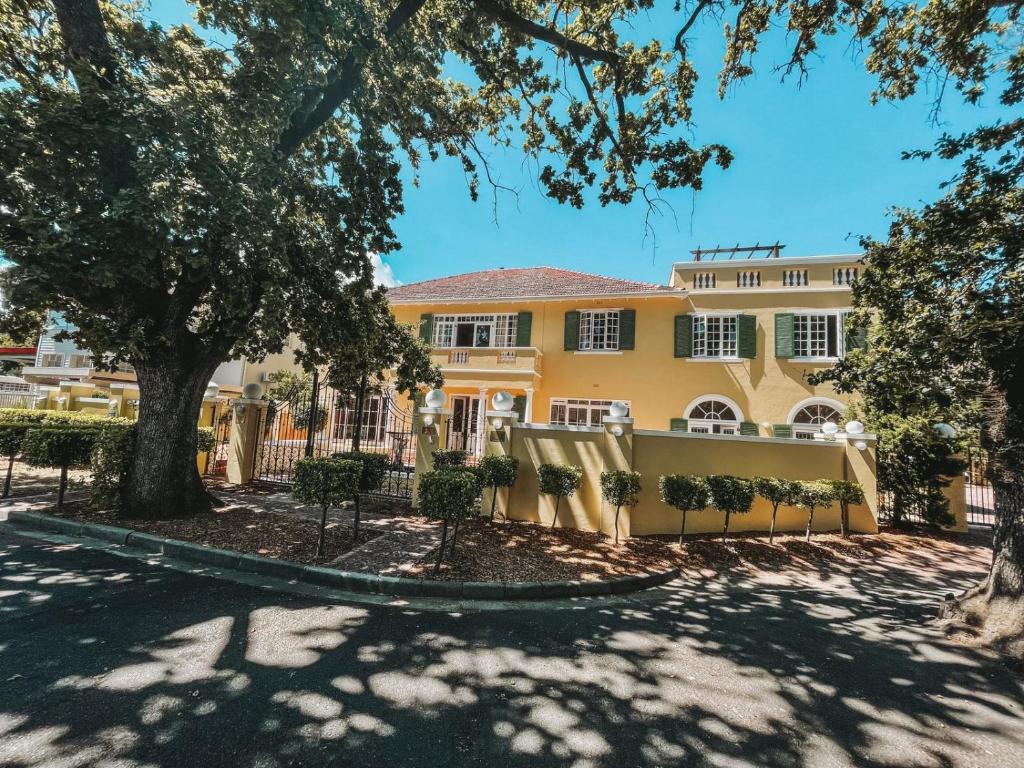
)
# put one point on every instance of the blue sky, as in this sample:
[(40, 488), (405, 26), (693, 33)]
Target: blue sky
[(815, 167)]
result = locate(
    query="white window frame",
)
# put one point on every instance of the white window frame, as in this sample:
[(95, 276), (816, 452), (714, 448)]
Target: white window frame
[(803, 348), (709, 426), (502, 325), (599, 330), (804, 431), (592, 408), (727, 349)]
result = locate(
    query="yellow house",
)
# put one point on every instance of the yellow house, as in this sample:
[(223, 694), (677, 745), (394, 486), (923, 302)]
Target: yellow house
[(722, 348)]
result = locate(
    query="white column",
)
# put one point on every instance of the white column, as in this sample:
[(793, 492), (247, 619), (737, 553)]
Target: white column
[(481, 423), (528, 415)]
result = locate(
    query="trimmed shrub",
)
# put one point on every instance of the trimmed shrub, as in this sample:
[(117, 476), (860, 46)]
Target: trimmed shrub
[(620, 489), (846, 493), (448, 495), (812, 494), (371, 478), (730, 495), (498, 472), (11, 437), (112, 456), (687, 493), (62, 447), (324, 481), (449, 459), (559, 480), (206, 439), (776, 492)]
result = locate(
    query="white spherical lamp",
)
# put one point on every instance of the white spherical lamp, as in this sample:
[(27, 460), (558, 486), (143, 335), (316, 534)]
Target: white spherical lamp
[(435, 398), (497, 423), (251, 391), (854, 428), (830, 428), (618, 409), (212, 389), (428, 420), (502, 401), (860, 445)]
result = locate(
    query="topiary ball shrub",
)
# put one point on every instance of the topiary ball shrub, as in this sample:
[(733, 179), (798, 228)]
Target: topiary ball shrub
[(620, 488), (776, 492), (448, 495), (847, 493), (374, 469), (59, 447), (812, 494), (687, 493), (206, 439), (498, 472), (559, 480), (730, 495), (325, 481), (449, 459)]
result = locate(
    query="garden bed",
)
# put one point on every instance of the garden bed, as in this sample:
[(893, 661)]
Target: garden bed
[(282, 537), (519, 552)]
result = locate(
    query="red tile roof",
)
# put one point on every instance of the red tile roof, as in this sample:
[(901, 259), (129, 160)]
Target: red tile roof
[(519, 283)]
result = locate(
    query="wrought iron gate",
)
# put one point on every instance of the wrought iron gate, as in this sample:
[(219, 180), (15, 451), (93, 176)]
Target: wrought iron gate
[(321, 421), (218, 462)]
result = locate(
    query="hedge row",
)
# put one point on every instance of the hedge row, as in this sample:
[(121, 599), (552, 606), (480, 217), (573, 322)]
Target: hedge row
[(67, 439)]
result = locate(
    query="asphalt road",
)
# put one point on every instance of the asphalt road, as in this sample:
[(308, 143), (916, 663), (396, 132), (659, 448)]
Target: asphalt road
[(112, 662)]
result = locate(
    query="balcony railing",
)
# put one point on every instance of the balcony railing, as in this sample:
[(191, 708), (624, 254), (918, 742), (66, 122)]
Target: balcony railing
[(488, 358)]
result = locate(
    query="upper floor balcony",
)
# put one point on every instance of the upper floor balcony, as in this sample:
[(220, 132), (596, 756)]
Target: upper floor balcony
[(482, 360), (740, 271)]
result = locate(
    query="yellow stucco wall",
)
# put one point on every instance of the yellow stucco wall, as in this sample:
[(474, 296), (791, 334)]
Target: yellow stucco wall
[(655, 454), (657, 385)]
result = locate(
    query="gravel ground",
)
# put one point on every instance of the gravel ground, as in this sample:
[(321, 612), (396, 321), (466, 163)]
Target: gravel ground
[(269, 535), (530, 552)]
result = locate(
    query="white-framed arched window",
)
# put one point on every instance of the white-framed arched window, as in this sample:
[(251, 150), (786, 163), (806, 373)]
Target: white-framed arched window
[(713, 415), (807, 416)]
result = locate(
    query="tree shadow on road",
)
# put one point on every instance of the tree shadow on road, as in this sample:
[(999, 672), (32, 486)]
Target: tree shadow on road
[(112, 659)]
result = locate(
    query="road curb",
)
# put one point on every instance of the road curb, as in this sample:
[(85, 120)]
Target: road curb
[(330, 577)]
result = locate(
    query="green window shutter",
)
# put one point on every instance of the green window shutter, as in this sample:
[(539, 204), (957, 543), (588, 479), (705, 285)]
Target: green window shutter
[(427, 327), (784, 346), (519, 406), (782, 430), (746, 336), (524, 327), (572, 330), (856, 337), (677, 425), (627, 329), (683, 336), (749, 428)]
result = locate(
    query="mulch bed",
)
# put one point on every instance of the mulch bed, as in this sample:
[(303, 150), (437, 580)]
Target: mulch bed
[(242, 530), (518, 552)]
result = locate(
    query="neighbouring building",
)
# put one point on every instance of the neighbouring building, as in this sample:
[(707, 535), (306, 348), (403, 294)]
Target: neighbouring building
[(723, 348), (63, 375)]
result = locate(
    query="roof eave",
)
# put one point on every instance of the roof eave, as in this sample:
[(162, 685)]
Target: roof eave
[(567, 297)]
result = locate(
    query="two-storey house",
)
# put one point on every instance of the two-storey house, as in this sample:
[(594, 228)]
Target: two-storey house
[(723, 347)]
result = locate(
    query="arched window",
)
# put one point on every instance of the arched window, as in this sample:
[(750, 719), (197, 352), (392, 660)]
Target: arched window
[(713, 415), (808, 416)]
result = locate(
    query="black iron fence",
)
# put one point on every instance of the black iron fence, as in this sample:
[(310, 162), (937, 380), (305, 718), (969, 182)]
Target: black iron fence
[(321, 421), (980, 498), (218, 463)]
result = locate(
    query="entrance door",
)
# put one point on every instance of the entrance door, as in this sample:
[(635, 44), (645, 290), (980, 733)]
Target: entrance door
[(464, 422)]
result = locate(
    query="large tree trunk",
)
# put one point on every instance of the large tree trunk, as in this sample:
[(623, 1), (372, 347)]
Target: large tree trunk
[(164, 480), (993, 611)]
